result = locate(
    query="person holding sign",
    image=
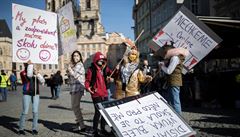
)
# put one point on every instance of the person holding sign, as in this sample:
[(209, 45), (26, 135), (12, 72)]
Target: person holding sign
[(31, 79), (76, 73), (133, 75), (172, 66), (96, 83)]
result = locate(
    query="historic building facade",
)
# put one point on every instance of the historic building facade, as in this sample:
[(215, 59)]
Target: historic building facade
[(5, 47), (91, 36)]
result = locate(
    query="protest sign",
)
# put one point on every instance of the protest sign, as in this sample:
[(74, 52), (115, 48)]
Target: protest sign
[(186, 31), (144, 116), (67, 29), (34, 35)]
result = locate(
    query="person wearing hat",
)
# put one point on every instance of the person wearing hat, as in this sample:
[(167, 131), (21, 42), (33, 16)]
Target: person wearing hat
[(172, 66)]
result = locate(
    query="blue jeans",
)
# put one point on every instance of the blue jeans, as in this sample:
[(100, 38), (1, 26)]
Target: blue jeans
[(173, 98), (25, 105), (4, 93), (57, 90)]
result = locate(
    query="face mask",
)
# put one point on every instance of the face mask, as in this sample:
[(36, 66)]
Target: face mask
[(99, 63), (132, 57)]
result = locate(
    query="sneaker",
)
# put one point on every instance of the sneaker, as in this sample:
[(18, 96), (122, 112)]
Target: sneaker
[(34, 132), (21, 132)]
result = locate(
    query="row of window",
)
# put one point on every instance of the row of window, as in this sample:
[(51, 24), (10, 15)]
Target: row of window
[(92, 46)]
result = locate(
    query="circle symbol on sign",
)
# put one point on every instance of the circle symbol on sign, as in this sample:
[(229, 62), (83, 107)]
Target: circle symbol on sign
[(44, 55), (23, 54)]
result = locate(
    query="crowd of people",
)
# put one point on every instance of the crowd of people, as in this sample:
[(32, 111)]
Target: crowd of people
[(130, 76)]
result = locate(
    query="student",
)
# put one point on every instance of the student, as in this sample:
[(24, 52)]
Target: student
[(133, 75), (96, 83), (76, 73), (31, 79), (172, 66)]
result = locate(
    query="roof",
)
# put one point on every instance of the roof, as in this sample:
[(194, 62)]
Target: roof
[(4, 29)]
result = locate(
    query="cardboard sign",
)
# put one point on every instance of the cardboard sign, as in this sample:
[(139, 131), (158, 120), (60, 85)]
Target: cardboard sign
[(34, 35), (147, 116), (186, 31), (67, 29)]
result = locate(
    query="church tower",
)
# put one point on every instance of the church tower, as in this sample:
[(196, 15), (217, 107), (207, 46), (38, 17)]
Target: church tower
[(89, 22)]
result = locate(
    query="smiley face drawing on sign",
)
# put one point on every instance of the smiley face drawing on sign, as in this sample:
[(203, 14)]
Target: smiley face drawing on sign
[(23, 54), (44, 55)]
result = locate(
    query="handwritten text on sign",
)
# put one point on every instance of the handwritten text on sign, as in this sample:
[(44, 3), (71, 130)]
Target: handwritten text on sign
[(145, 118), (187, 34), (34, 35)]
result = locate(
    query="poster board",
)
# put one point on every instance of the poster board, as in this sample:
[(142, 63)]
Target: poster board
[(144, 116), (34, 34), (186, 31), (67, 29)]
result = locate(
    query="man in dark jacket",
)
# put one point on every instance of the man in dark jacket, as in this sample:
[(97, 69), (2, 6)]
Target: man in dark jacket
[(96, 81)]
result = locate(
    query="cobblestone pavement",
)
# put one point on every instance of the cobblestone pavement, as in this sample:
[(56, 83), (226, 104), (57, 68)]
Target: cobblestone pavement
[(57, 119)]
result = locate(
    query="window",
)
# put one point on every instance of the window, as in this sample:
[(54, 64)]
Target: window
[(1, 66), (94, 46), (53, 5), (88, 4), (65, 66), (1, 53), (56, 66), (50, 66), (48, 5), (194, 6), (44, 66), (20, 67), (88, 54), (83, 54), (83, 47)]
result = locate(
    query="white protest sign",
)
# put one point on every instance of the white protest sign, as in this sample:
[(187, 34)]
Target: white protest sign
[(148, 116), (34, 34), (186, 31), (67, 29)]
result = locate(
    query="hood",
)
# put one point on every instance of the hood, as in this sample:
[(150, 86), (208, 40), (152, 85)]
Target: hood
[(98, 56)]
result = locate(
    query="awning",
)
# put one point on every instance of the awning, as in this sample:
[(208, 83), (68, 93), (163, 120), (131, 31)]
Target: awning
[(229, 30)]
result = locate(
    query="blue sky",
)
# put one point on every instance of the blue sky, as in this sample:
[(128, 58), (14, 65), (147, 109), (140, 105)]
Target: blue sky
[(116, 15)]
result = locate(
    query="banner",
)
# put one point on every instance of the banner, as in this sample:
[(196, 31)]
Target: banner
[(67, 29), (186, 31), (34, 34), (144, 116)]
